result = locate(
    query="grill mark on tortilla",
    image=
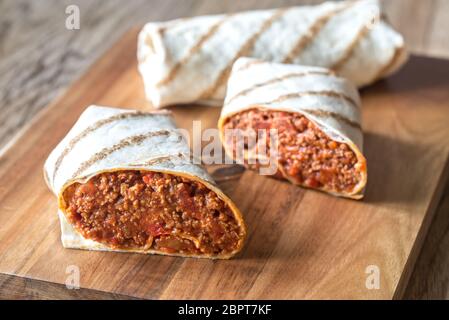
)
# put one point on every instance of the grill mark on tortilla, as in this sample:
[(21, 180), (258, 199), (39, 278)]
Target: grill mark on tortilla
[(194, 49), (172, 24), (386, 68), (126, 142), (325, 114), (278, 79), (47, 180), (311, 33), (350, 49), (249, 64), (158, 160), (93, 127), (244, 49), (327, 93)]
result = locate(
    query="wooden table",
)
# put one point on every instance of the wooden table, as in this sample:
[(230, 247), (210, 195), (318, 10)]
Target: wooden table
[(39, 58)]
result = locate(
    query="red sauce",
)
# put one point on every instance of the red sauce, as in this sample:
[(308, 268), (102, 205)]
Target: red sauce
[(150, 210)]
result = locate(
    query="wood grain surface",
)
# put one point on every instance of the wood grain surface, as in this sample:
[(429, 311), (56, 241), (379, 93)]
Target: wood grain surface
[(302, 244), (39, 58)]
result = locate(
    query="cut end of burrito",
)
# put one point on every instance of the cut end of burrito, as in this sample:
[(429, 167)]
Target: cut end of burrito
[(153, 212), (125, 182), (304, 119), (306, 155)]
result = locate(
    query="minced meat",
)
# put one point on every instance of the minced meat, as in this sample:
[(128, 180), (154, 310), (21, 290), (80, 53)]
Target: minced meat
[(149, 210), (306, 155)]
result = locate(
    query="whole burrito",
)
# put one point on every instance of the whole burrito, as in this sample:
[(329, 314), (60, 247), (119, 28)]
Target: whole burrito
[(189, 60), (125, 182), (315, 116)]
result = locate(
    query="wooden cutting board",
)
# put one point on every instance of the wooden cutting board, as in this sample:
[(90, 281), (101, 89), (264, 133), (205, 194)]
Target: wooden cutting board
[(302, 243)]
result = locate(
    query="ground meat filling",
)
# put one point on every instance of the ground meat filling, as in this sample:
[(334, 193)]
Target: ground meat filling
[(149, 210), (306, 154)]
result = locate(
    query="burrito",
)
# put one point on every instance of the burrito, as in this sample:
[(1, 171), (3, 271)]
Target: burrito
[(189, 60), (125, 182), (315, 116)]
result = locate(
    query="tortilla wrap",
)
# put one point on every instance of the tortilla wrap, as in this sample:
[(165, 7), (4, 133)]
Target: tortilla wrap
[(109, 140), (331, 103), (189, 60)]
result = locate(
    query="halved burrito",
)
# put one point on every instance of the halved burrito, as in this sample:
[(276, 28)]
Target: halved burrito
[(125, 182), (315, 116), (189, 60)]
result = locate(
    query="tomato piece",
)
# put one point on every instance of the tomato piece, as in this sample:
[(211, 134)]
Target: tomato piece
[(262, 125), (185, 199), (156, 229), (171, 244), (87, 188), (147, 178), (293, 170), (217, 230), (312, 182), (168, 250)]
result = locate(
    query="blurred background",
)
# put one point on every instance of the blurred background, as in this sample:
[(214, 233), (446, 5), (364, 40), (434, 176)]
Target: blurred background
[(40, 57)]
